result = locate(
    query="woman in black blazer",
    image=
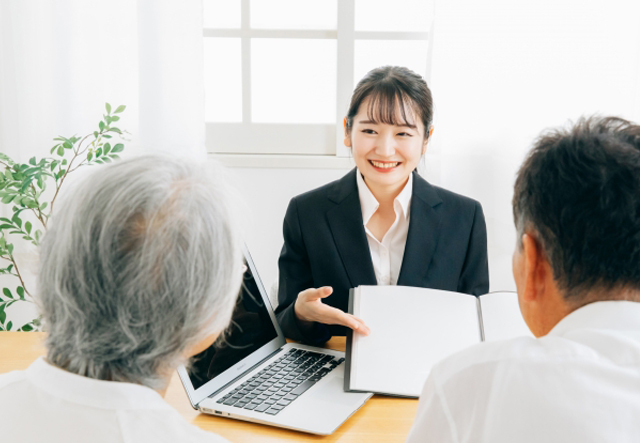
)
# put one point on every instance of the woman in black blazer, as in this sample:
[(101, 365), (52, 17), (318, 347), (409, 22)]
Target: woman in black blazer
[(381, 223)]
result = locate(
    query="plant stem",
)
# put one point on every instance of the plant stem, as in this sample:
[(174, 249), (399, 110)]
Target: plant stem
[(17, 274), (39, 213), (76, 152), (15, 265)]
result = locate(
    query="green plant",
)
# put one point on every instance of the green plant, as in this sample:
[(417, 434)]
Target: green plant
[(23, 186)]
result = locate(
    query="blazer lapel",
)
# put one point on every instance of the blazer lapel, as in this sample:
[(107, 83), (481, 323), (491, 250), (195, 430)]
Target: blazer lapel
[(345, 222), (422, 238)]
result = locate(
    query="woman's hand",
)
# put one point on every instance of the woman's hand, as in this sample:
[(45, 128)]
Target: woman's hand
[(309, 308)]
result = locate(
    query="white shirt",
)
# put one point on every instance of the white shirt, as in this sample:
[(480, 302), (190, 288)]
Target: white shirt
[(579, 383), (386, 255), (47, 404)]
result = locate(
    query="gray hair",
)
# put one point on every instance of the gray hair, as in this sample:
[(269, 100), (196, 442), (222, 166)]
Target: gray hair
[(140, 263)]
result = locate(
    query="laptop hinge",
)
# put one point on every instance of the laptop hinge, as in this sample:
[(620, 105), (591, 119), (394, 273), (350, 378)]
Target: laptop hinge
[(244, 373)]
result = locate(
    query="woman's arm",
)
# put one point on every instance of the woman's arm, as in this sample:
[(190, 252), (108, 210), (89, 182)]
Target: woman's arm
[(295, 277), (474, 278), (301, 313)]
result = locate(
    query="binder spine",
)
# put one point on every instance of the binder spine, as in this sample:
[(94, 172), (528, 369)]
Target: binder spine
[(480, 321), (347, 357)]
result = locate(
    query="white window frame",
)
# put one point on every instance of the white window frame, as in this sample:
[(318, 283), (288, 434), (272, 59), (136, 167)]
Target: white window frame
[(255, 144)]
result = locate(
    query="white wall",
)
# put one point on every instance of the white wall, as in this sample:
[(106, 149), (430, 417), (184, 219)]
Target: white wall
[(504, 70), (267, 193)]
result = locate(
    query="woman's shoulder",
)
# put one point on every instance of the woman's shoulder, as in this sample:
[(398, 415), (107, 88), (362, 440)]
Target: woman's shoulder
[(332, 192), (436, 195)]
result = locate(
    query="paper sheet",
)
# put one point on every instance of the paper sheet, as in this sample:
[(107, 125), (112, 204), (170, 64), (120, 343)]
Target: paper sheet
[(411, 330), (501, 316)]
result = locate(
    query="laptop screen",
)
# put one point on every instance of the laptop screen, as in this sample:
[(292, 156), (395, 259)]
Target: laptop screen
[(250, 329)]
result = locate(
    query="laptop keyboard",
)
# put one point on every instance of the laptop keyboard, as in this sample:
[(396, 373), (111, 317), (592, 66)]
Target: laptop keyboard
[(277, 385)]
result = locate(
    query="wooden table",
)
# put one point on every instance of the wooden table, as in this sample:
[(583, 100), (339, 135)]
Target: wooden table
[(381, 419)]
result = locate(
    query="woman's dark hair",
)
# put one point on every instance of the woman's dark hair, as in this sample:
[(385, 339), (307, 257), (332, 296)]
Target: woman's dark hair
[(578, 194), (389, 89)]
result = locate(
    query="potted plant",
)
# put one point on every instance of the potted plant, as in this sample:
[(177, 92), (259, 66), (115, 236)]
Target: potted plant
[(25, 188)]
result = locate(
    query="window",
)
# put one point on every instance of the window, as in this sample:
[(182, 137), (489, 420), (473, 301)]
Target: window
[(279, 73)]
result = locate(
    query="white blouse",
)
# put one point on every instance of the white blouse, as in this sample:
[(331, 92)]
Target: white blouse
[(386, 255), (47, 404)]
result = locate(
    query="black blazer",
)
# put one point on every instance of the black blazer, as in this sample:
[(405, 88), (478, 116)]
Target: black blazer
[(325, 245)]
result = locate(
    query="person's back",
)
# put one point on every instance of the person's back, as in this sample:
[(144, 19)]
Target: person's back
[(576, 208), (45, 403), (579, 383)]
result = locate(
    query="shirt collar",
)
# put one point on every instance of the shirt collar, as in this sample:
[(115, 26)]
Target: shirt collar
[(369, 205), (614, 314), (91, 392)]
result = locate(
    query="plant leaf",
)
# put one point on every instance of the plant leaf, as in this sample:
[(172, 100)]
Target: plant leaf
[(3, 315), (7, 293), (107, 148), (27, 227), (20, 291), (16, 220), (9, 325), (26, 328), (101, 125), (108, 107), (119, 109), (118, 148), (60, 151)]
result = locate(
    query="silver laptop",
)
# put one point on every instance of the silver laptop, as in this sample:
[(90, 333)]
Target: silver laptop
[(253, 374)]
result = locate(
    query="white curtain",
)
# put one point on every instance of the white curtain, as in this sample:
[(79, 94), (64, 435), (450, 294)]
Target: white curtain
[(502, 71), (61, 60)]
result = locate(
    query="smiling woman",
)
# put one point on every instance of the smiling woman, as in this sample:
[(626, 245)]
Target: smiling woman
[(381, 223)]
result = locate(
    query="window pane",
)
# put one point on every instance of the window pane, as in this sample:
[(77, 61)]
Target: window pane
[(223, 14), (399, 16), (371, 54), (294, 14), (223, 80), (293, 81)]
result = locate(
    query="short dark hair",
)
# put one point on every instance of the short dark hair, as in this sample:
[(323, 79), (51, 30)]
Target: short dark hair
[(387, 87), (578, 192)]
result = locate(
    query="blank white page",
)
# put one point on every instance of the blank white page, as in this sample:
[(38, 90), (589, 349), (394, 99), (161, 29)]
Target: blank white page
[(501, 316), (411, 330)]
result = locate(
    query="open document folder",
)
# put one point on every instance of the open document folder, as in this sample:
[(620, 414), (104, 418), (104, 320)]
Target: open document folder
[(414, 328)]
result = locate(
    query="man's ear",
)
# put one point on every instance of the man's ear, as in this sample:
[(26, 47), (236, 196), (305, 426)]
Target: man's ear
[(535, 271)]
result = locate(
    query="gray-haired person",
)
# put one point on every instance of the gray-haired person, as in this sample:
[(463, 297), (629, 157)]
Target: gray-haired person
[(139, 271)]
